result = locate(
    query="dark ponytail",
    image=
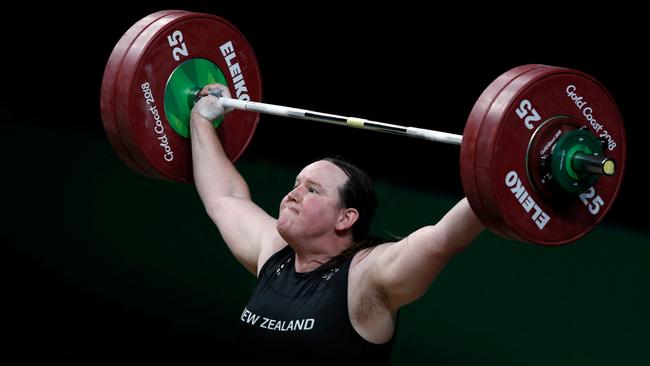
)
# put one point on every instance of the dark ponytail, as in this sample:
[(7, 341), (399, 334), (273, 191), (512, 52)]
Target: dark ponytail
[(358, 193)]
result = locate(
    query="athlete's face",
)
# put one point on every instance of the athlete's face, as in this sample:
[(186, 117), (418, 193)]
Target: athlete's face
[(312, 208)]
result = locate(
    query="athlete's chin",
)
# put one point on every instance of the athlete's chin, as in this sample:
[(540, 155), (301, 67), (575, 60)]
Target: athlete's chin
[(282, 225), (284, 229), (286, 236)]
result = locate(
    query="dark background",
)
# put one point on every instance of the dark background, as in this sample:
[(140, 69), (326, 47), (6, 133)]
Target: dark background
[(101, 263), (369, 62)]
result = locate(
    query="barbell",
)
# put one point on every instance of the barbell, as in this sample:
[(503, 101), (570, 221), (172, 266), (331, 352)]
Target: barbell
[(542, 153)]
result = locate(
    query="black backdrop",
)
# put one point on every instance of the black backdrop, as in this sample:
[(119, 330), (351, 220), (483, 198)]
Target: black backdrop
[(406, 63)]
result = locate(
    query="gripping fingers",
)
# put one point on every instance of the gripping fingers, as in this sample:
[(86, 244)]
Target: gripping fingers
[(210, 108), (208, 105)]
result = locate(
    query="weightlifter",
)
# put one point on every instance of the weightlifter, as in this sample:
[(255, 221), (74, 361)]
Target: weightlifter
[(326, 291)]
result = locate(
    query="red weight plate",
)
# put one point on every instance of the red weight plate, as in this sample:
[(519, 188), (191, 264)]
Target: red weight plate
[(145, 70), (471, 136), (509, 127), (488, 129), (111, 71)]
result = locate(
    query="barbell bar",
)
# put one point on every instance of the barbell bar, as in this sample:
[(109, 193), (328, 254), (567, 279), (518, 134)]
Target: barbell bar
[(542, 154), (582, 162)]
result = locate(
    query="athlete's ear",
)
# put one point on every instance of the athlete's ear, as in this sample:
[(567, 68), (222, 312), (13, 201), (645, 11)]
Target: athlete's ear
[(347, 218)]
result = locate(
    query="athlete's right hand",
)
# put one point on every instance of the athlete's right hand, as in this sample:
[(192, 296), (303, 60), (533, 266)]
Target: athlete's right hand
[(208, 105)]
